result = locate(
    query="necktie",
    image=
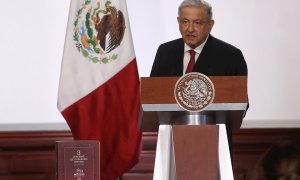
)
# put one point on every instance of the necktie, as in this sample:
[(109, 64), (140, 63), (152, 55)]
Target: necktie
[(191, 62)]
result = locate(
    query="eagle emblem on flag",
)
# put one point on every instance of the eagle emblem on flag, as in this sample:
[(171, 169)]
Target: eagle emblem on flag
[(98, 31)]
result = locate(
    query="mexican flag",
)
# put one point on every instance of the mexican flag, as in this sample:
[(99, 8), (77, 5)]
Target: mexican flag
[(99, 84)]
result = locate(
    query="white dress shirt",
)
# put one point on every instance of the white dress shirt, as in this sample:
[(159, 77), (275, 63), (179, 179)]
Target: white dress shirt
[(187, 56)]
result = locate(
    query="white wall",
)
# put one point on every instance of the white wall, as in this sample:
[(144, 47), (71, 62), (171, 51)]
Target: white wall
[(268, 32)]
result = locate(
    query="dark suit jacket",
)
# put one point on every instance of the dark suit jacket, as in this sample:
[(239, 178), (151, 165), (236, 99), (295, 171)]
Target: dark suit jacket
[(217, 58)]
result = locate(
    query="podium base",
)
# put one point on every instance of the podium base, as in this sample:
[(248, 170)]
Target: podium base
[(165, 160)]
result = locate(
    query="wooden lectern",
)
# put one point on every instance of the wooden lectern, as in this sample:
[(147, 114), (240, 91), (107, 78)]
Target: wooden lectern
[(194, 150)]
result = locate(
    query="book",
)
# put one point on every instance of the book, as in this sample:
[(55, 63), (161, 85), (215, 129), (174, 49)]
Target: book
[(78, 160)]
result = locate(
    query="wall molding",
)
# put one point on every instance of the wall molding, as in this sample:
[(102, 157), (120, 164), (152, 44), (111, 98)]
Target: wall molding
[(247, 124)]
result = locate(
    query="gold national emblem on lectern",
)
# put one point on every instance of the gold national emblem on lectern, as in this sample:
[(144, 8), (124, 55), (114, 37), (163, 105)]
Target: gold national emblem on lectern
[(194, 92)]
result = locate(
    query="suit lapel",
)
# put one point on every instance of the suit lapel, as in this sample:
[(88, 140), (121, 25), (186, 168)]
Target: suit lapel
[(202, 64), (178, 58)]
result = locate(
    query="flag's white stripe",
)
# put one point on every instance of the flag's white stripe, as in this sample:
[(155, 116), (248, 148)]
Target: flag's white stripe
[(77, 71)]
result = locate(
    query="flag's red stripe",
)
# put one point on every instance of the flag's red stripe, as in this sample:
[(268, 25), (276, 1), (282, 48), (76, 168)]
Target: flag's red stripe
[(110, 114)]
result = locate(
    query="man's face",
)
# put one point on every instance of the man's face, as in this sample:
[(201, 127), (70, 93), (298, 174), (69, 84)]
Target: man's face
[(194, 25)]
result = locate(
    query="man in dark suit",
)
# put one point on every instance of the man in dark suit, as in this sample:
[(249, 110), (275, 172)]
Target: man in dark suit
[(212, 56)]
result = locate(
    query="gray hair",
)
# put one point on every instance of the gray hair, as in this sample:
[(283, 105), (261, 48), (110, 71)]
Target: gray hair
[(197, 3)]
